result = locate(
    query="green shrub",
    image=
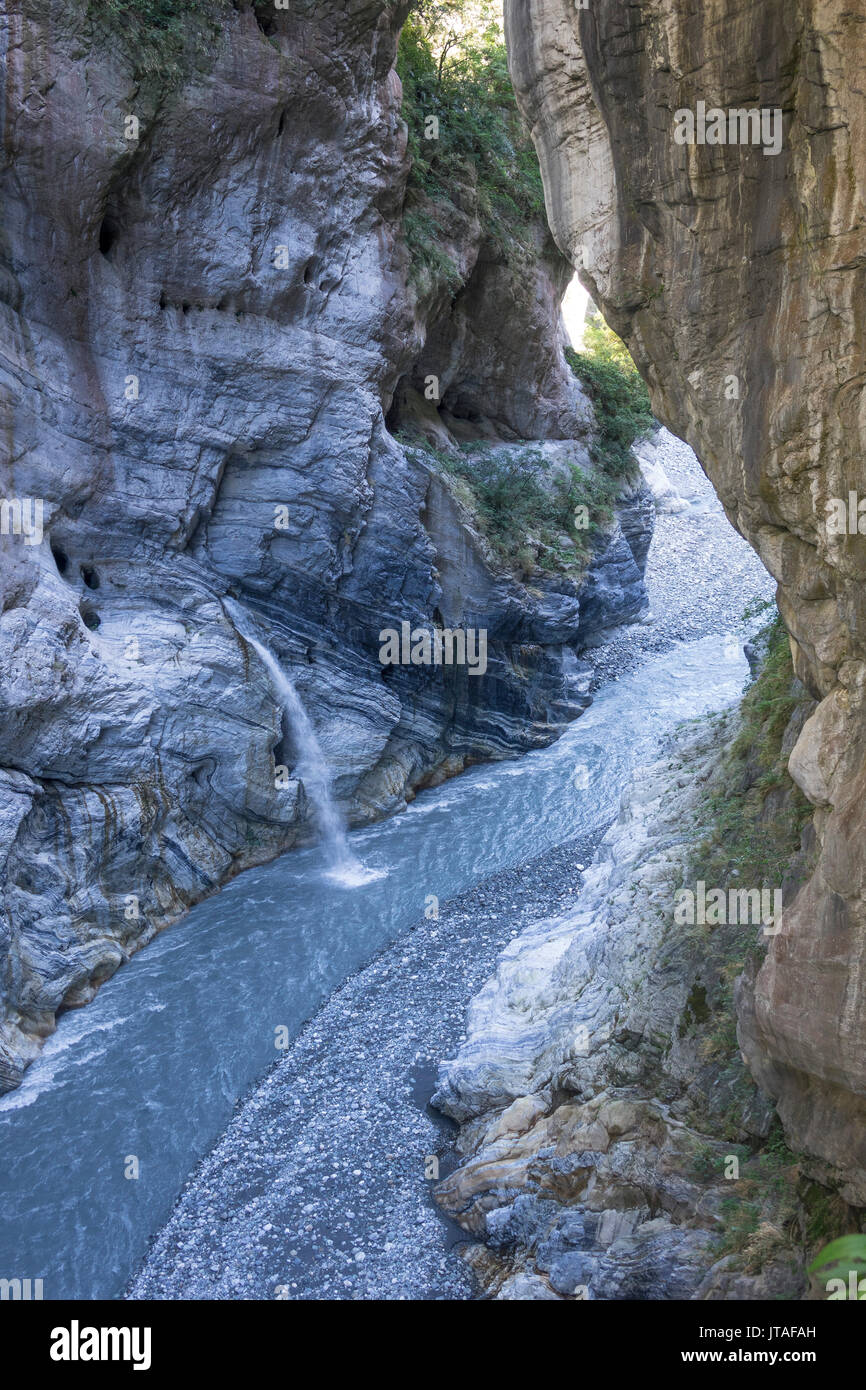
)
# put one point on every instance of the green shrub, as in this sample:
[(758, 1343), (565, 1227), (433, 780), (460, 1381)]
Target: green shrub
[(526, 515), (618, 394), (752, 833), (453, 66), (761, 1217), (839, 1260), (157, 33), (754, 816), (777, 1212), (524, 512), (422, 237)]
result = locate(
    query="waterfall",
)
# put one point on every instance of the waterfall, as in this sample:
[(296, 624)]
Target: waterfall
[(312, 769)]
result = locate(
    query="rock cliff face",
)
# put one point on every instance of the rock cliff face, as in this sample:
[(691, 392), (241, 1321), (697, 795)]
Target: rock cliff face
[(207, 316), (736, 276)]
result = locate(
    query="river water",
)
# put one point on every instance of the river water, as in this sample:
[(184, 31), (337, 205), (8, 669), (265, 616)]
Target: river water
[(152, 1068)]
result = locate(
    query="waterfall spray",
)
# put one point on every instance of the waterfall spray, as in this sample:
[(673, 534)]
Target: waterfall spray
[(312, 769)]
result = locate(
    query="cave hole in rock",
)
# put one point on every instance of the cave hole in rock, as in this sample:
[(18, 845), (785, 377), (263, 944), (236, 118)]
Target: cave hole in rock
[(109, 231), (392, 414), (61, 559), (411, 414), (461, 409), (202, 774), (90, 618), (284, 748), (265, 17), (90, 576)]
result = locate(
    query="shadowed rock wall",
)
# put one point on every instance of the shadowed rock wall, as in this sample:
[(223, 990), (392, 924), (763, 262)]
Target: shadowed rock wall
[(737, 279)]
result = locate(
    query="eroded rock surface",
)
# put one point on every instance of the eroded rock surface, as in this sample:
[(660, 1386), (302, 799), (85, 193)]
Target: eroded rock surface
[(203, 326), (737, 279)]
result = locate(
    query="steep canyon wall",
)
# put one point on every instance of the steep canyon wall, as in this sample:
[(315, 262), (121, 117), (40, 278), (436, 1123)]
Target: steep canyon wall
[(736, 276), (207, 313)]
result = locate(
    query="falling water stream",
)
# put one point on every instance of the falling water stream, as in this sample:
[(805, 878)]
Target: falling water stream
[(153, 1067), (344, 866)]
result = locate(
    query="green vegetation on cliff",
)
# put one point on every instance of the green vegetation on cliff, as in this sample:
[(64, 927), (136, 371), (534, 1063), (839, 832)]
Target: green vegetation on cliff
[(618, 394), (526, 509), (539, 516), (754, 819), (163, 39), (156, 34), (757, 813), (470, 148)]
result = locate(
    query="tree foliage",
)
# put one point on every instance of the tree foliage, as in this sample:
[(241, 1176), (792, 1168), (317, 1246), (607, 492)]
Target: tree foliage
[(454, 69), (618, 394)]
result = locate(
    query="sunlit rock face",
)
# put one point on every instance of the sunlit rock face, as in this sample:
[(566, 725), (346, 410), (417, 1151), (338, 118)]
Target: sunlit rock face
[(736, 276), (204, 320)]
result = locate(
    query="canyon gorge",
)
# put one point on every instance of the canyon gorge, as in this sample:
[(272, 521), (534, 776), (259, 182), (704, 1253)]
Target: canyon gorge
[(282, 357), (203, 410)]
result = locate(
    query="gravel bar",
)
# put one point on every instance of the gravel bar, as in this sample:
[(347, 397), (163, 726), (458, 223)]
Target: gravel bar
[(700, 574)]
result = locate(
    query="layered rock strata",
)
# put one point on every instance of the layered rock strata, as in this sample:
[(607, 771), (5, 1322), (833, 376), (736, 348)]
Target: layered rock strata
[(206, 315)]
